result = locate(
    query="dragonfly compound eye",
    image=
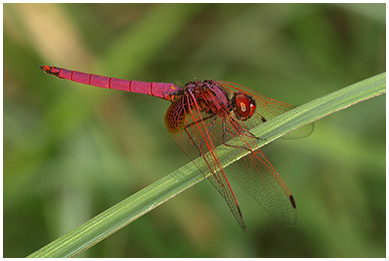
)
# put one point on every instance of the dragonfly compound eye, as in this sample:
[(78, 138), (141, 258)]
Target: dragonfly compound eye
[(243, 106)]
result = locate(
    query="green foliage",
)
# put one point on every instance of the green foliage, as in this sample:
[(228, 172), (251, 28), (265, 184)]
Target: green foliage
[(71, 151)]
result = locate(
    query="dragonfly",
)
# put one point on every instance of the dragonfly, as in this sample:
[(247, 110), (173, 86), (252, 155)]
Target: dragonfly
[(206, 114)]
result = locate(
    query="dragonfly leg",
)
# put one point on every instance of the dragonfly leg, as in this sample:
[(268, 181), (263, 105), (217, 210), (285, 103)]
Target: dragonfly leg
[(200, 146), (246, 132), (195, 122), (209, 128), (224, 141), (191, 139)]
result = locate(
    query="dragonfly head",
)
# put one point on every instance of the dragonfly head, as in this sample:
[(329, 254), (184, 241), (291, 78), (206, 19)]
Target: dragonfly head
[(243, 106)]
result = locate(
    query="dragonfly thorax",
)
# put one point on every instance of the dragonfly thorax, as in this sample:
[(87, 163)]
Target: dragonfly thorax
[(209, 97)]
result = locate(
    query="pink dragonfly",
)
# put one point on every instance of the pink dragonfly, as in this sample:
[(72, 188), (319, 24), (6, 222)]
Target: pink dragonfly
[(206, 114)]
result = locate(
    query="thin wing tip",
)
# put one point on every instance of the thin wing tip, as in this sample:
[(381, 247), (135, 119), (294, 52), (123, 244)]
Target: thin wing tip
[(243, 226), (310, 128), (292, 201), (245, 230), (241, 222), (288, 222), (292, 223)]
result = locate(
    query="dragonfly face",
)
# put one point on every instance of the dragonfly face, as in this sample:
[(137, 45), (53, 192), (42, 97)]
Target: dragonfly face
[(243, 106)]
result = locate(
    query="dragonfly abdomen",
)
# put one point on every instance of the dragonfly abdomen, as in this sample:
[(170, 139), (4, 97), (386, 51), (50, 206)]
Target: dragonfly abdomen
[(157, 89)]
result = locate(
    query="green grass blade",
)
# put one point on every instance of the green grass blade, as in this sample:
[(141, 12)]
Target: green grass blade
[(157, 193)]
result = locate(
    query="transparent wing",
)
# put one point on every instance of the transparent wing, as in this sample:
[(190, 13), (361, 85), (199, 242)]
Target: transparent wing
[(198, 133), (256, 175), (194, 132), (254, 172)]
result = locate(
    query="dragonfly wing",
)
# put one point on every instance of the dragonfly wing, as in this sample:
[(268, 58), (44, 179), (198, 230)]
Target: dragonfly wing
[(257, 177), (194, 132), (199, 133)]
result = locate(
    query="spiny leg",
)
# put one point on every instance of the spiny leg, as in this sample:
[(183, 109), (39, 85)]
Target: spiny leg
[(204, 119), (245, 132), (224, 141), (208, 130), (237, 126), (209, 127)]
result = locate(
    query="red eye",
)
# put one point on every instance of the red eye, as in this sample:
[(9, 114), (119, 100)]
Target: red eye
[(243, 106)]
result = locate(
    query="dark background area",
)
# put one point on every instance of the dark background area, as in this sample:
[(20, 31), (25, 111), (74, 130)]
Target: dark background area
[(72, 151)]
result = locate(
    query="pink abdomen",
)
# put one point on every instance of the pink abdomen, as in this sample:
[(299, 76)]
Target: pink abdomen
[(157, 89)]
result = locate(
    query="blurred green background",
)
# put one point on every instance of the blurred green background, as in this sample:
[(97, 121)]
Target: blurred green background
[(72, 151)]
